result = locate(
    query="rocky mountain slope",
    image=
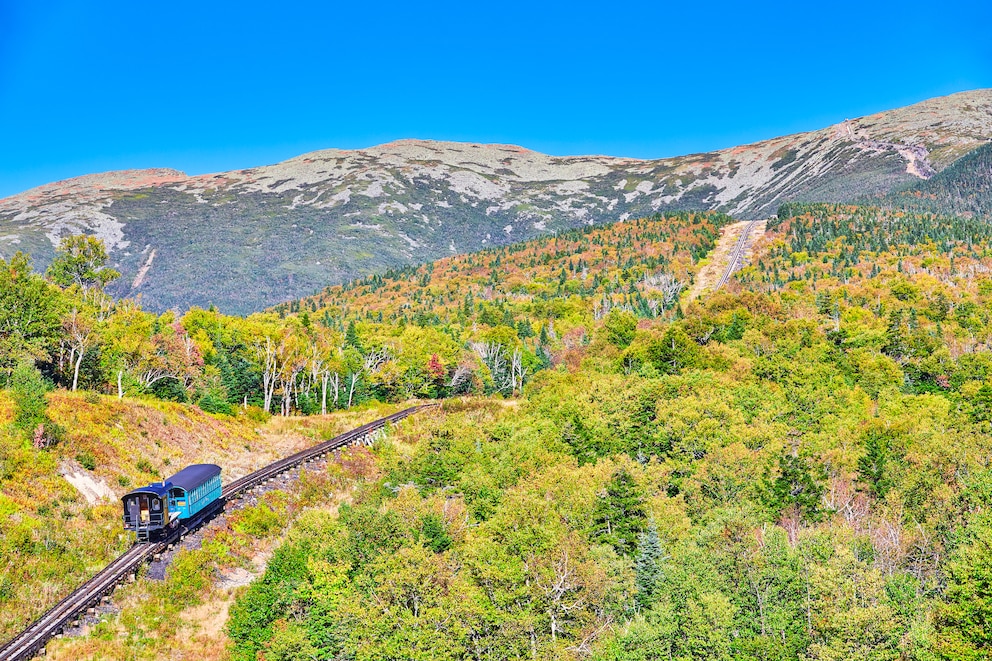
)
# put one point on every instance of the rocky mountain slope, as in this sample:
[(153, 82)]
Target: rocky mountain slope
[(247, 239)]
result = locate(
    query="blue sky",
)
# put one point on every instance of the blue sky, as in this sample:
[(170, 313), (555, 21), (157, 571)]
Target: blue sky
[(208, 86)]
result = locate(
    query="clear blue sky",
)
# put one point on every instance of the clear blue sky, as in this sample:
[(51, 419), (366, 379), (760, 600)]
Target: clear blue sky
[(212, 85)]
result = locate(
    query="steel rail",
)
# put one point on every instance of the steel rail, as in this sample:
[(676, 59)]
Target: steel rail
[(738, 252), (33, 639)]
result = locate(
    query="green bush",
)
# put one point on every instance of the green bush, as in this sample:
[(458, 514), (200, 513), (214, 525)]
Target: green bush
[(257, 414), (308, 404), (620, 327), (145, 466), (211, 402), (258, 521), (435, 534), (187, 577), (28, 388), (86, 460)]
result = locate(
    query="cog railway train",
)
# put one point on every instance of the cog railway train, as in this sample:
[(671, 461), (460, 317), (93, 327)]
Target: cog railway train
[(160, 506)]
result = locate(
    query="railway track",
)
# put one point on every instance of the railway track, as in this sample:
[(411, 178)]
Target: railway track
[(737, 254), (32, 640)]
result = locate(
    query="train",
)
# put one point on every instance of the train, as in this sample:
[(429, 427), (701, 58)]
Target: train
[(160, 506)]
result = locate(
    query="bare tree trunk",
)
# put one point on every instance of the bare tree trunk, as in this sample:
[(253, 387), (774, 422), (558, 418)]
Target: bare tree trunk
[(75, 373), (287, 397), (517, 372), (323, 393), (268, 355), (351, 392), (120, 384)]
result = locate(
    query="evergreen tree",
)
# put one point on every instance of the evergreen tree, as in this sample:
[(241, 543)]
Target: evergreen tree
[(543, 337), (351, 338), (872, 464), (619, 515), (795, 487), (647, 570), (435, 534)]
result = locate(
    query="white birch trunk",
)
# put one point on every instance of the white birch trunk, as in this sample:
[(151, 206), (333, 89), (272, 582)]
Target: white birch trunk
[(351, 392)]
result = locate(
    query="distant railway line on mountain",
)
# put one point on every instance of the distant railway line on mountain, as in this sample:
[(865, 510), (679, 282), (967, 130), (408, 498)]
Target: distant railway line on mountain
[(737, 255)]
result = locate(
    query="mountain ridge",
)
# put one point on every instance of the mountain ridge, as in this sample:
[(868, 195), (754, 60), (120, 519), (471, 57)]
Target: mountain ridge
[(247, 239)]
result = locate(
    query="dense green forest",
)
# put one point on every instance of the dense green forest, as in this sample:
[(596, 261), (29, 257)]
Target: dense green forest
[(964, 187), (479, 324), (797, 466)]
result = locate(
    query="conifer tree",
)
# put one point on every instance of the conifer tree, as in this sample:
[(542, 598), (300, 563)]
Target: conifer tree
[(351, 338), (647, 570), (619, 515)]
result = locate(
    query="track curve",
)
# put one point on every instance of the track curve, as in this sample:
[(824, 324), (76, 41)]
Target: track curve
[(32, 640)]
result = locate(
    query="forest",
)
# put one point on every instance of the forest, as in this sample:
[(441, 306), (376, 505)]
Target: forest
[(62, 329), (797, 466)]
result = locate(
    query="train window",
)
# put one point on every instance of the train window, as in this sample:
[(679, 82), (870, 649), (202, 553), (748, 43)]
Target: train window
[(156, 504)]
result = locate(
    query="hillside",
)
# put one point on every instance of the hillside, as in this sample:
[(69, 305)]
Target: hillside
[(248, 239), (641, 265), (964, 188), (794, 467), (797, 467), (59, 508)]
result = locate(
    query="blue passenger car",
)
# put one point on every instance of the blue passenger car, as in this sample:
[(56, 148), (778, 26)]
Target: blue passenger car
[(193, 488), (150, 509)]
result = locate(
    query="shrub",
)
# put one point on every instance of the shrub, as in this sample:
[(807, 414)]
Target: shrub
[(86, 460), (258, 521), (187, 578), (308, 404), (257, 414), (28, 388), (145, 466), (211, 402)]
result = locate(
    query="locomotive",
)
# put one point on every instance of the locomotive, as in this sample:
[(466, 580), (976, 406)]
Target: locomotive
[(151, 509)]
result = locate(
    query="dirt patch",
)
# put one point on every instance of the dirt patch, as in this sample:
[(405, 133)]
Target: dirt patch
[(143, 271), (93, 489)]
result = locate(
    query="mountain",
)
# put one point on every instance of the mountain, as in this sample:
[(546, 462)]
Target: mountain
[(964, 188), (248, 239), (640, 264)]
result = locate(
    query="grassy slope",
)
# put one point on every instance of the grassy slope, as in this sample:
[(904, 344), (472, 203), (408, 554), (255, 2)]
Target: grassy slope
[(51, 538), (184, 615)]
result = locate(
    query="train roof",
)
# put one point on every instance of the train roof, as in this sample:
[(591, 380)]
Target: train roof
[(160, 489), (193, 476)]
